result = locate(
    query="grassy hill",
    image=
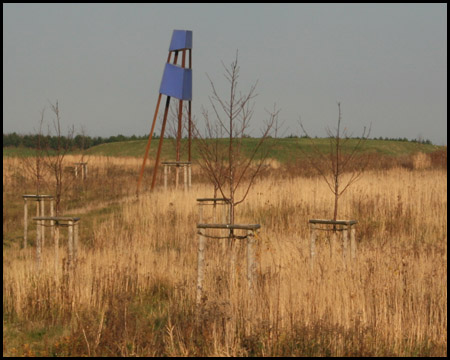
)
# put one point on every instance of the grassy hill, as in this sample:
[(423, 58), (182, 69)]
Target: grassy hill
[(282, 150)]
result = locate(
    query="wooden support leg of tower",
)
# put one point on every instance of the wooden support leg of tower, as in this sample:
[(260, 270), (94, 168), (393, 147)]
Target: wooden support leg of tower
[(148, 144), (160, 143)]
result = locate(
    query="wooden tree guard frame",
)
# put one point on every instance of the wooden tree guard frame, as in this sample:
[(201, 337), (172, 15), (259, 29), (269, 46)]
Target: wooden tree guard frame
[(40, 211), (72, 245), (338, 225), (186, 165), (251, 265), (84, 169)]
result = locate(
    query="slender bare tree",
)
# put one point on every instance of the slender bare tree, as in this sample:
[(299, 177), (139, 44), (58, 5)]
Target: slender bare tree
[(336, 162), (224, 160), (54, 161)]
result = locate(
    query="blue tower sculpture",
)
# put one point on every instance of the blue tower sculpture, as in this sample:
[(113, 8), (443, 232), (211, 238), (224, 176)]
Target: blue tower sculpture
[(176, 82)]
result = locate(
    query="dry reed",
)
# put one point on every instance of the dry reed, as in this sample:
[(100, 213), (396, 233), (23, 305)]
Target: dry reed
[(133, 291)]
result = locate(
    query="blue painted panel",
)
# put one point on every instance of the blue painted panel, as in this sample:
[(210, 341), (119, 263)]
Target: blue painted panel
[(181, 39), (176, 82)]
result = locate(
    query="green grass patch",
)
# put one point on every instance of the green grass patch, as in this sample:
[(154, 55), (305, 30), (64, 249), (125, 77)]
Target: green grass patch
[(283, 150)]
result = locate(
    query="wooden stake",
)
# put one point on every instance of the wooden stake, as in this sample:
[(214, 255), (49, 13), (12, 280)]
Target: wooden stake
[(70, 244), (75, 241), (56, 240), (185, 177), (344, 244), (38, 244), (353, 243), (190, 174), (200, 266), (52, 214), (25, 223), (333, 243), (42, 203), (200, 213), (224, 221), (165, 177), (251, 266), (313, 244)]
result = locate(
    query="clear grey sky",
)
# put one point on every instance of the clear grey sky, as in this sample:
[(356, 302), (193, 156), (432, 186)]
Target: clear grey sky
[(385, 63)]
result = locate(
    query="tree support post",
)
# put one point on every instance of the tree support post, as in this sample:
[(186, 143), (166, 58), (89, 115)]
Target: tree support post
[(338, 225), (200, 265), (312, 244), (40, 211), (251, 263), (25, 222), (72, 242)]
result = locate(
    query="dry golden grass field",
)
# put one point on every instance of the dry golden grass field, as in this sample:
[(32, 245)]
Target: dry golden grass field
[(133, 289)]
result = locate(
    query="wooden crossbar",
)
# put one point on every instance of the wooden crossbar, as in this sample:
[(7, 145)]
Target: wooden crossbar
[(228, 226)]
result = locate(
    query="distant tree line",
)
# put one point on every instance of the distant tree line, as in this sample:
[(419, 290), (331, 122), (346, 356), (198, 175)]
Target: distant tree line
[(420, 140), (85, 142), (51, 142)]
